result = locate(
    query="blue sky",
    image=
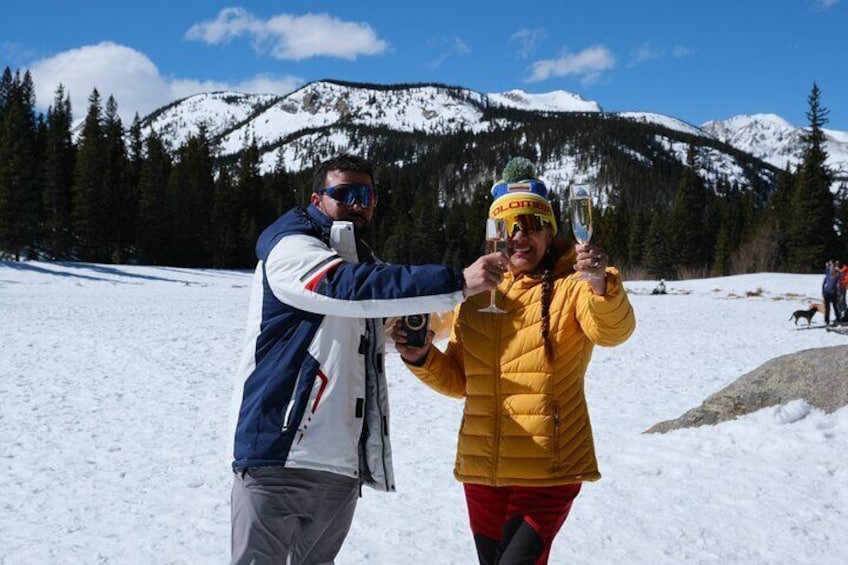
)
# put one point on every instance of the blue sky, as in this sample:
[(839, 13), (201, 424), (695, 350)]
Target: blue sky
[(695, 61)]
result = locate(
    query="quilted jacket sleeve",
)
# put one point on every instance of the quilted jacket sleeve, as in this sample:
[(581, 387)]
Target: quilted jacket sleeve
[(606, 320), (444, 372)]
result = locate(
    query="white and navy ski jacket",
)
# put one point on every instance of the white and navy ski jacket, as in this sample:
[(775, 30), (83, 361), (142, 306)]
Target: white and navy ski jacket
[(311, 390)]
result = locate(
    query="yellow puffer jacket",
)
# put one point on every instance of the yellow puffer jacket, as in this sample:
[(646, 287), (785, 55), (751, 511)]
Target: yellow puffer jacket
[(525, 420)]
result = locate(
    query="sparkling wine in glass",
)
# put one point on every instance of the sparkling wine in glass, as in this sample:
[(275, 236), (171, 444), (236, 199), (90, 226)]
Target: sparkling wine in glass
[(495, 241), (580, 205)]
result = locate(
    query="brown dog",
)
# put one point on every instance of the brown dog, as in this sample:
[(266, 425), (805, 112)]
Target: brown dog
[(806, 314)]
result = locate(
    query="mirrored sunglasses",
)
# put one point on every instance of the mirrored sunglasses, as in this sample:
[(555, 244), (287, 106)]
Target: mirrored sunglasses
[(527, 223), (352, 194)]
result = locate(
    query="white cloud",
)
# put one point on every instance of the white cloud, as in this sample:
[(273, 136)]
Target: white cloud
[(131, 78), (646, 52), (678, 51), (822, 5), (127, 75), (649, 52), (290, 37), (453, 46), (14, 53), (527, 39), (587, 65)]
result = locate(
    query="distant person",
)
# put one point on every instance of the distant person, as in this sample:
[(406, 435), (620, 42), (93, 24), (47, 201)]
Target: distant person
[(313, 415), (525, 442), (830, 292), (660, 288)]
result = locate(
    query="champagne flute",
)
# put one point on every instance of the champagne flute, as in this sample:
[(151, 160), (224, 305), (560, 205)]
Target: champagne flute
[(580, 205), (495, 241)]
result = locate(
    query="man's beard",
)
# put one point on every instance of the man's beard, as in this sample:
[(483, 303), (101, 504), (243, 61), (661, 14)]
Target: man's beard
[(361, 232), (360, 222)]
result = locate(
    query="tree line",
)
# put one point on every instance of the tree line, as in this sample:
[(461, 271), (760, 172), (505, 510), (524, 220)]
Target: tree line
[(113, 194)]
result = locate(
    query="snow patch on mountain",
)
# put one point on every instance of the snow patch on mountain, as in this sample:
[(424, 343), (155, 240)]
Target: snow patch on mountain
[(216, 111), (776, 141), (557, 101), (425, 108), (662, 120)]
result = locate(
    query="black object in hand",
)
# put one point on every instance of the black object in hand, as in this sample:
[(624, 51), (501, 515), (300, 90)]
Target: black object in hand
[(416, 326)]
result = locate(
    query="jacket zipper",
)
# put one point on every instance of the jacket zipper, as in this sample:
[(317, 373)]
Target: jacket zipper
[(371, 355), (498, 401), (556, 435)]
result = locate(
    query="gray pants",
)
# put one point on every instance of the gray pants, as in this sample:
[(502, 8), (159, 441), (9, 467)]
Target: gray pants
[(290, 516)]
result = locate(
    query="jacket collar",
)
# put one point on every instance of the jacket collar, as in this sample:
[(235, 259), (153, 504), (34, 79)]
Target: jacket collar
[(323, 224), (320, 221)]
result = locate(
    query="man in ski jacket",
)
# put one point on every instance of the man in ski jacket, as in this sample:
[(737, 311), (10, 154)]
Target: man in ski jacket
[(311, 403)]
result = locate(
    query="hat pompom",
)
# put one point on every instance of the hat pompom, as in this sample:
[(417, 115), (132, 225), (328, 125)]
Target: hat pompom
[(518, 168)]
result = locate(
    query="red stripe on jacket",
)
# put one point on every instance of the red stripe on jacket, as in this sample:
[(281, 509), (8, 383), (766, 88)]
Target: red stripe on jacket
[(313, 283)]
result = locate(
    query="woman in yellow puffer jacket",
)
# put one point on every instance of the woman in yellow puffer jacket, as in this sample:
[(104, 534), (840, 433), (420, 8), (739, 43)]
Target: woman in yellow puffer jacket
[(525, 442)]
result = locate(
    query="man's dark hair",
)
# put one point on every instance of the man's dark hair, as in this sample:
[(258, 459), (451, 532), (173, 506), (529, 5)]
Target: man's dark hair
[(341, 163)]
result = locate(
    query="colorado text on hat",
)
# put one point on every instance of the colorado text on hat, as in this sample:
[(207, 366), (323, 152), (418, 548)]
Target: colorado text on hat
[(542, 207)]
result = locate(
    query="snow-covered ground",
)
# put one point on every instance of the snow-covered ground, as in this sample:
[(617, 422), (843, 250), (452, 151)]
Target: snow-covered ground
[(115, 387)]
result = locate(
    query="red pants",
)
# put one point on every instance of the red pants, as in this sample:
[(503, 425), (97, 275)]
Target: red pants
[(514, 525)]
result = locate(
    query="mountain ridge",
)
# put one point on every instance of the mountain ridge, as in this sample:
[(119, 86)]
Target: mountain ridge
[(284, 126)]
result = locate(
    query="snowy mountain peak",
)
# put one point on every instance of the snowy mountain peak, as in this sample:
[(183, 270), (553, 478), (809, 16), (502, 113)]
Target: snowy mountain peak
[(556, 101), (776, 141)]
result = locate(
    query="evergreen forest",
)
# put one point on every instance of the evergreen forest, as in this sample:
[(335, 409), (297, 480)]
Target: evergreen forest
[(109, 193)]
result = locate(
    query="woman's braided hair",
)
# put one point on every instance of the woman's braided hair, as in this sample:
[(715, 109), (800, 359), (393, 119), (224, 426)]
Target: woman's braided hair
[(547, 291)]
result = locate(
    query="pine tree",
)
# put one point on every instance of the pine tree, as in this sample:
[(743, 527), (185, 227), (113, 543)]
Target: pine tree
[(639, 224), (6, 85), (721, 262), (191, 189), (774, 221), (689, 237), (456, 255), (426, 241), (36, 230), (281, 191), (226, 220), (811, 236), (659, 259), (88, 202), (117, 206), (475, 227), (395, 216), (60, 154), (613, 229), (252, 208), (135, 161), (19, 196), (153, 229)]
